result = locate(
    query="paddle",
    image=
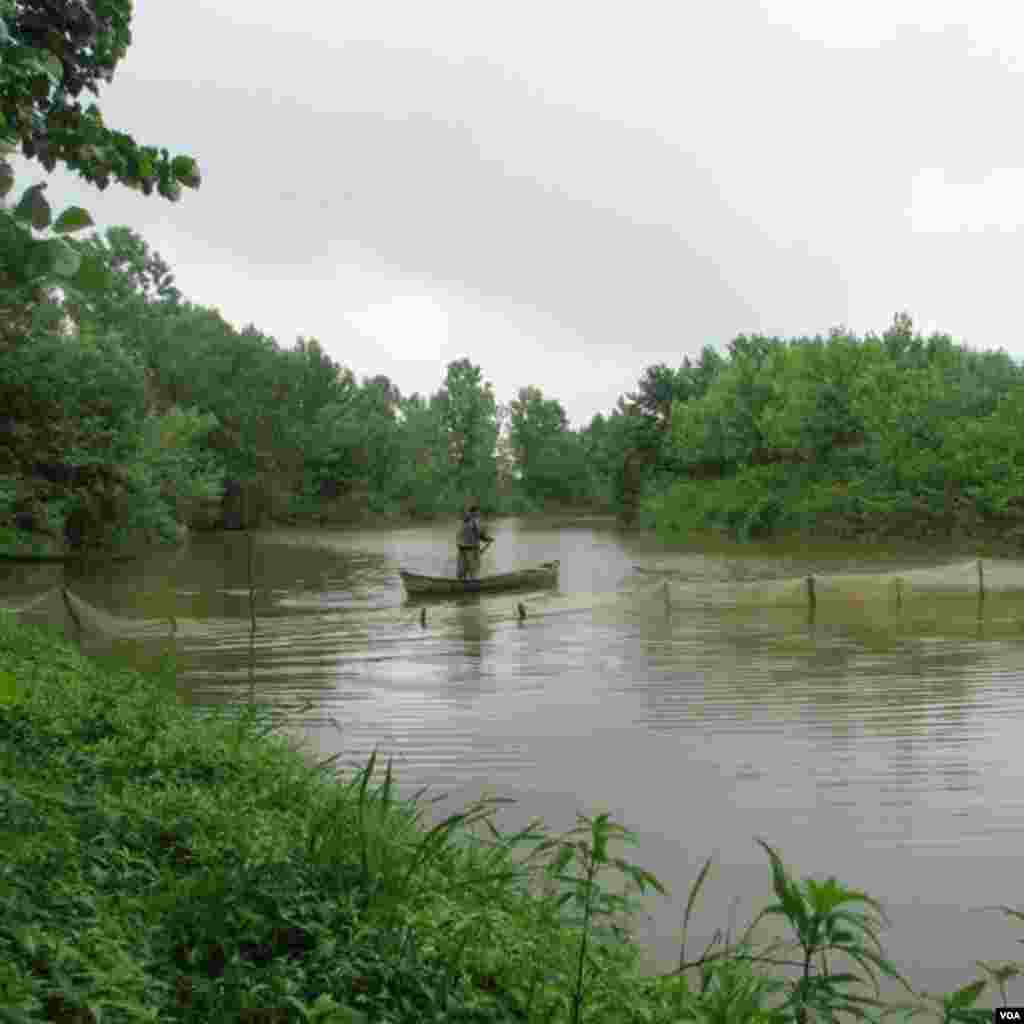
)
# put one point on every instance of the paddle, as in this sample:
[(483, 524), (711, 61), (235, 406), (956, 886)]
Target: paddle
[(486, 544)]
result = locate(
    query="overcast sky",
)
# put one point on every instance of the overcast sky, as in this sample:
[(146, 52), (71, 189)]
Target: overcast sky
[(568, 192)]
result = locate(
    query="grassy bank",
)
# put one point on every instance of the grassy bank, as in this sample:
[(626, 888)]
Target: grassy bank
[(163, 863)]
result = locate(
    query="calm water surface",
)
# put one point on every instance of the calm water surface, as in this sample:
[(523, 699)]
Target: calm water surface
[(893, 765)]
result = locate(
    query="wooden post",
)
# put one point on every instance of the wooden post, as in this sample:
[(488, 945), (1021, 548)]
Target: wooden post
[(521, 609), (252, 666), (981, 595), (74, 615), (812, 600), (252, 594), (423, 617), (899, 592), (668, 599)]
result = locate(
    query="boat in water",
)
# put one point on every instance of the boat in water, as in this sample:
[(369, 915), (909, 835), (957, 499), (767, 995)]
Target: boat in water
[(545, 575)]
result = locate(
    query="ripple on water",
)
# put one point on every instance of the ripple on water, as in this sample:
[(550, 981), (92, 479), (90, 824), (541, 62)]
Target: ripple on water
[(894, 762)]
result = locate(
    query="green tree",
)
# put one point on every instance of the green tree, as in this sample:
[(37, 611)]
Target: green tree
[(658, 388), (535, 426), (356, 445), (551, 459), (813, 383), (53, 50), (85, 422), (50, 51), (424, 483), (72, 408), (468, 413)]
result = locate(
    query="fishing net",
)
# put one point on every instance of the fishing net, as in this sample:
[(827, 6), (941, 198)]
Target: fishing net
[(61, 609), (41, 608), (964, 597)]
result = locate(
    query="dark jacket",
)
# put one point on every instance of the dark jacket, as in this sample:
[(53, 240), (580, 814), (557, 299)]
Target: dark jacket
[(471, 533)]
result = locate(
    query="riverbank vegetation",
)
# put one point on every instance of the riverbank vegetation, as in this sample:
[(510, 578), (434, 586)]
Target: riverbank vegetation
[(163, 862), (897, 435), (131, 412)]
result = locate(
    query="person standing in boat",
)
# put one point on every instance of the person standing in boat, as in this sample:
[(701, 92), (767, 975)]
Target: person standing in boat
[(471, 537)]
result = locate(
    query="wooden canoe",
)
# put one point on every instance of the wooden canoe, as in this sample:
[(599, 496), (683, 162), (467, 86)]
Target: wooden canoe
[(545, 575)]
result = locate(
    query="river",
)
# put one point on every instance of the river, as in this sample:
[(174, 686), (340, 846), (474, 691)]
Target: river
[(895, 766)]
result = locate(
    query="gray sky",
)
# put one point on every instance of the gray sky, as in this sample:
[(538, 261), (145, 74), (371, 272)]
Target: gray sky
[(566, 193)]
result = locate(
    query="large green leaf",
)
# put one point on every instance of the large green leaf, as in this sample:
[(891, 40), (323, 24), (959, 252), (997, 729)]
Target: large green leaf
[(52, 68), (184, 168), (9, 688), (963, 997), (93, 275), (170, 190), (74, 218), (9, 1015), (61, 259), (33, 207)]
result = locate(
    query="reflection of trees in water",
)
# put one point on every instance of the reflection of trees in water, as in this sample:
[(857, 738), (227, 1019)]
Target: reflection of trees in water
[(216, 572), (917, 691), (902, 719)]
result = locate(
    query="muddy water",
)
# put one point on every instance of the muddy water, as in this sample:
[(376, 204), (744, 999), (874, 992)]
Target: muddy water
[(895, 766)]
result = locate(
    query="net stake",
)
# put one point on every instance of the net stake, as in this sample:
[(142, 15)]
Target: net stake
[(252, 586), (74, 615)]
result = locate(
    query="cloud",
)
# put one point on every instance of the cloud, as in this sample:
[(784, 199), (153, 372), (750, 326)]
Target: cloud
[(611, 231), (941, 206)]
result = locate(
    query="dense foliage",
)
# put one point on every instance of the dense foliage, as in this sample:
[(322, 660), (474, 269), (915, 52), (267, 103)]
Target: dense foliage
[(189, 420), (79, 461), (128, 408), (53, 50), (897, 434)]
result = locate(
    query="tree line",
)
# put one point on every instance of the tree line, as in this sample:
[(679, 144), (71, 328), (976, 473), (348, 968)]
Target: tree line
[(128, 410)]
